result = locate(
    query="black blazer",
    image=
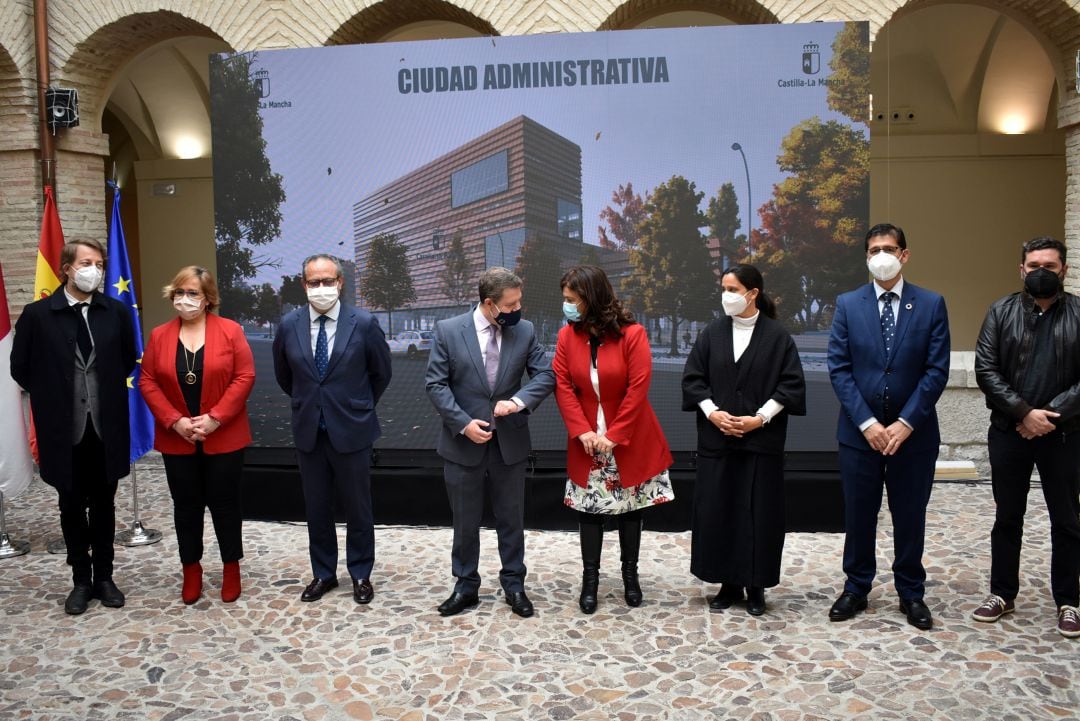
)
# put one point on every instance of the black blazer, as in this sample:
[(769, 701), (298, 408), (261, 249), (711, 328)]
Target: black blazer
[(43, 363), (768, 369)]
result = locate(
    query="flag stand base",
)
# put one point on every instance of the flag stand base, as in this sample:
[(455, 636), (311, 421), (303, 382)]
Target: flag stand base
[(10, 549), (138, 536)]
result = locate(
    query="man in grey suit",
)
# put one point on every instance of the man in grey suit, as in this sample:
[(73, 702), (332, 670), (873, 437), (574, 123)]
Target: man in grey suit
[(474, 380)]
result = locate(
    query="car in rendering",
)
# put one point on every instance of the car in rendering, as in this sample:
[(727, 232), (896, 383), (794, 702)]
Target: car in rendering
[(411, 342)]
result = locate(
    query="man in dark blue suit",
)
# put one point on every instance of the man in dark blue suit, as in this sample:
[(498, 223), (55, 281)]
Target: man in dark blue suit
[(332, 360), (888, 362)]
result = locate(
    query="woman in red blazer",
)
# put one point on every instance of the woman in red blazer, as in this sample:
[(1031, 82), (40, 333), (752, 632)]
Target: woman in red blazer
[(616, 455), (197, 373)]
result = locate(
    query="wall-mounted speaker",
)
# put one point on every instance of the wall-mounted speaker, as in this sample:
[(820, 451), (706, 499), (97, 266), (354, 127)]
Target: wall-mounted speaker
[(62, 106)]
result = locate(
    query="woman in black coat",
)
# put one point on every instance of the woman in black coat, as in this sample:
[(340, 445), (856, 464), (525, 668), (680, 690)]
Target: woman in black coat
[(743, 379)]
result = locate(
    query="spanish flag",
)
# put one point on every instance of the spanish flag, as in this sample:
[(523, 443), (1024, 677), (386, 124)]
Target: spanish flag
[(47, 274)]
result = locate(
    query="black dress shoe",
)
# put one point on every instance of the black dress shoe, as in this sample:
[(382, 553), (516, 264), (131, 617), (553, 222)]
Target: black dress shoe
[(362, 592), (918, 615), (755, 600), (317, 588), (78, 599), (847, 606), (109, 595), (520, 604), (728, 596), (457, 603)]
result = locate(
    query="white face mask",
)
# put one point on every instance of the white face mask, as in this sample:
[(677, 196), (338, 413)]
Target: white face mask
[(322, 299), (734, 303), (88, 278), (188, 308), (883, 266)]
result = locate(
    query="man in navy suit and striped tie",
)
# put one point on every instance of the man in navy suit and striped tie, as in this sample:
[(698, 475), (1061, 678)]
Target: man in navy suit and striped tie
[(332, 360), (888, 362)]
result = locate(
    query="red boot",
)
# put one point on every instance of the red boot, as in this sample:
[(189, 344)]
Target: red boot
[(230, 582), (192, 583)]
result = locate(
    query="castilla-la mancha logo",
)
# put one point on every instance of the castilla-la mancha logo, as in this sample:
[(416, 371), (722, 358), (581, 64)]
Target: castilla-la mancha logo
[(811, 59), (261, 79)]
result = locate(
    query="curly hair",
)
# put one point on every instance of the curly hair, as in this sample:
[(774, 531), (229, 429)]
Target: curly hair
[(604, 314)]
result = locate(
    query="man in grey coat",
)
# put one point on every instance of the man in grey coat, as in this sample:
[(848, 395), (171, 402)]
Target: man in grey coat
[(474, 380)]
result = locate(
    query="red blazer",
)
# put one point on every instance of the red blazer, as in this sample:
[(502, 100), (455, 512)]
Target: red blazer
[(625, 367), (228, 376)]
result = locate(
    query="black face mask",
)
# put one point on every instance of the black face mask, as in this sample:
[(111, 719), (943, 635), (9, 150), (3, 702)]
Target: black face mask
[(1042, 283), (508, 319)]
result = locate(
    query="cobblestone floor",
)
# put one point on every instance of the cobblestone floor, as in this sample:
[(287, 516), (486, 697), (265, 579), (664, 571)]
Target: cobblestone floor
[(269, 656)]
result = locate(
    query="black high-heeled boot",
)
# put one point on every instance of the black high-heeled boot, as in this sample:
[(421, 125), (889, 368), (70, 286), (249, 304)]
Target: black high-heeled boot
[(592, 541), (630, 545)]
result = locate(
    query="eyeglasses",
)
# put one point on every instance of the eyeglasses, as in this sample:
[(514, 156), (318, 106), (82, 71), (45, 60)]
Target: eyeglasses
[(324, 282), (193, 294), (890, 249)]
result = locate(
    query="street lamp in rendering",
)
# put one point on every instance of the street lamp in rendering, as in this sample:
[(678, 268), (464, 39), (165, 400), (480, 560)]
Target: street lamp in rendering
[(749, 202)]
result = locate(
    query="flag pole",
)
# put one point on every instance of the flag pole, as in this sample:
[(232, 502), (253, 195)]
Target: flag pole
[(9, 548), (137, 535), (120, 284)]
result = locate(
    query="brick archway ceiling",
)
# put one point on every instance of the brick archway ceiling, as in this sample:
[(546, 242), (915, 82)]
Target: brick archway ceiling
[(1055, 19), (376, 21), (96, 59), (633, 13)]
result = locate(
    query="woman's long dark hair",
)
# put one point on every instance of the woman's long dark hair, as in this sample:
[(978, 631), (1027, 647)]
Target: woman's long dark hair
[(604, 314), (751, 279)]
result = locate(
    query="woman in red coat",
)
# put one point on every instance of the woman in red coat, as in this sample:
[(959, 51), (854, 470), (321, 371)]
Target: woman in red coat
[(197, 373), (616, 456)]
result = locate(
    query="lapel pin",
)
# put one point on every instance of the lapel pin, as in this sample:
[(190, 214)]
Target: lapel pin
[(907, 307)]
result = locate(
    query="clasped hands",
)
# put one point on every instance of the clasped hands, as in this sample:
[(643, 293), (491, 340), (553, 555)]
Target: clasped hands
[(594, 443), (887, 440), (196, 429), (737, 426), (1036, 423)]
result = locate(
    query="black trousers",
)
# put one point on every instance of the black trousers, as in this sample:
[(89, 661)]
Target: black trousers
[(88, 513), (330, 477), (199, 481), (1057, 456), (505, 486)]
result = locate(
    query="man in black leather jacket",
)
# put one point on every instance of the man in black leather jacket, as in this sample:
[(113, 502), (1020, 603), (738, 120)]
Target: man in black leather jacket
[(1027, 363)]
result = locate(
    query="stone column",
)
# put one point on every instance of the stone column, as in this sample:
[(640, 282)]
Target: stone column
[(1069, 121)]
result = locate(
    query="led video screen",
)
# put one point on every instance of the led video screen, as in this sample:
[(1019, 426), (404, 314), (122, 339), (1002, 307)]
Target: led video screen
[(662, 156)]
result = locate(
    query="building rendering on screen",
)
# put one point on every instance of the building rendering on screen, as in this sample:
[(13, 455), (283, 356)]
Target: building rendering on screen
[(518, 183)]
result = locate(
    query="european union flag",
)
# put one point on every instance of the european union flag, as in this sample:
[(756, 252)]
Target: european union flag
[(119, 285)]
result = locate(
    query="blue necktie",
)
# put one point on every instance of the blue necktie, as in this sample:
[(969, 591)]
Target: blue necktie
[(322, 357), (888, 321)]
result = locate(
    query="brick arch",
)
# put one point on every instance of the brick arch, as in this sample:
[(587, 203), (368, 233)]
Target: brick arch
[(634, 12), (375, 21), (18, 94), (96, 60), (1054, 23)]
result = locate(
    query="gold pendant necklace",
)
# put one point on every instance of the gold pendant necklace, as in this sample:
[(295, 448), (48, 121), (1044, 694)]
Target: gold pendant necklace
[(189, 377)]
